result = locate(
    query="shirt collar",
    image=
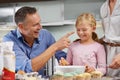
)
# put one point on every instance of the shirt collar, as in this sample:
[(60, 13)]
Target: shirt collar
[(18, 33), (117, 2)]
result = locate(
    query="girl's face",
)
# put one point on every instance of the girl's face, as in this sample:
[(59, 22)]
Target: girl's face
[(84, 31)]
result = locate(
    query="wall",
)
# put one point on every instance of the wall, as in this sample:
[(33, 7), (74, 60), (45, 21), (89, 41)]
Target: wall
[(50, 11), (73, 8)]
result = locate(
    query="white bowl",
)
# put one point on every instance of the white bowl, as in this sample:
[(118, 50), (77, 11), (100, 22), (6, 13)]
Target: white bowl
[(67, 69)]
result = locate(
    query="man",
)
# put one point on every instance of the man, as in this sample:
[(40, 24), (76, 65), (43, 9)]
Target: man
[(110, 13), (33, 45)]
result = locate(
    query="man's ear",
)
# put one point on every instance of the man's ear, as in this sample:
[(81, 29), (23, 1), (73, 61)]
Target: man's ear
[(20, 25)]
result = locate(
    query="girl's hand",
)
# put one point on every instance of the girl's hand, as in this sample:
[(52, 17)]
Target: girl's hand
[(89, 69), (63, 62)]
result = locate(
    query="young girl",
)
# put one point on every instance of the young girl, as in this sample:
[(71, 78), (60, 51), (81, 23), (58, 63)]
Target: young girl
[(86, 51)]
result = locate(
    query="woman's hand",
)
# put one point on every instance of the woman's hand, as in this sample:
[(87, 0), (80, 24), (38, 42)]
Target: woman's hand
[(115, 62), (63, 62)]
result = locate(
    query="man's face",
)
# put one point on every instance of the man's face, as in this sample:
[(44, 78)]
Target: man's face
[(31, 26)]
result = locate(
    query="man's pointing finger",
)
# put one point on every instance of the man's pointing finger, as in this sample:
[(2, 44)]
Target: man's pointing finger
[(69, 34)]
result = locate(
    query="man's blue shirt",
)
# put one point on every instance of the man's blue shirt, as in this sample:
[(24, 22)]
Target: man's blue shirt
[(24, 53)]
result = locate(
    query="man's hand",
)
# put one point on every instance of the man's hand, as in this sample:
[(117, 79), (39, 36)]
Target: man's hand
[(115, 62), (64, 42)]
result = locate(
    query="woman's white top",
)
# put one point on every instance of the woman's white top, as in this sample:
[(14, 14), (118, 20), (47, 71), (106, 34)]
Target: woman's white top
[(111, 23)]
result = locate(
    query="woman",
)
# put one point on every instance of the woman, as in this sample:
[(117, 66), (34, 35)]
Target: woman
[(110, 13)]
